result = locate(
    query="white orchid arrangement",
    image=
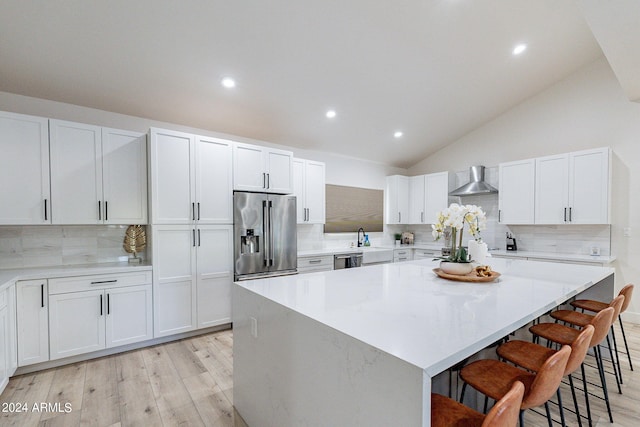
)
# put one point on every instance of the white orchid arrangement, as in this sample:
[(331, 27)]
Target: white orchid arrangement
[(454, 218)]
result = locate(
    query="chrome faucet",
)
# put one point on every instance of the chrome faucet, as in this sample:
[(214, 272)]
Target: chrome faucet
[(360, 240)]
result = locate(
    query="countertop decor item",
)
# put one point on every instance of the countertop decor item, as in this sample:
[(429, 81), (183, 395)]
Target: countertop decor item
[(135, 240), (469, 277), (454, 218)]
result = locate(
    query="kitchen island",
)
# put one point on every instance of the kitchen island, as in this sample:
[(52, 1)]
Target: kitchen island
[(360, 347)]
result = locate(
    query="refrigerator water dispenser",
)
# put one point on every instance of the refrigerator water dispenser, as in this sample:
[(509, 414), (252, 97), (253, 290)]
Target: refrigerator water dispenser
[(249, 243)]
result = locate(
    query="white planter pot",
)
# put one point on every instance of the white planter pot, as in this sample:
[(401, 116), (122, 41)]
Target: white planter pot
[(457, 268)]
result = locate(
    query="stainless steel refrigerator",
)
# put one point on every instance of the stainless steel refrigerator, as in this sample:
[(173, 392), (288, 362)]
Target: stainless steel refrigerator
[(265, 236)]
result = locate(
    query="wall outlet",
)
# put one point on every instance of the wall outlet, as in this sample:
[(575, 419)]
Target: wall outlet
[(254, 326), (595, 250), (627, 231)]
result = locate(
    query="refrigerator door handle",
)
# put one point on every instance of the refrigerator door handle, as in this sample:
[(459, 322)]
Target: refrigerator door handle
[(271, 249), (265, 232)]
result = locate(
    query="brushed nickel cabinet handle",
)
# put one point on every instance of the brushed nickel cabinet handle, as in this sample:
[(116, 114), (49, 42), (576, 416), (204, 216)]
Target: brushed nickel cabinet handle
[(198, 237), (108, 304), (42, 295), (45, 209), (198, 211), (106, 210), (99, 211), (100, 305)]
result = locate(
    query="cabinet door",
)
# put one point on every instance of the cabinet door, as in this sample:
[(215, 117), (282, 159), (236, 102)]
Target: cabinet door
[(279, 174), (397, 196), (4, 346), (76, 323), (214, 181), (32, 322), (76, 173), (174, 286), (589, 181), (516, 195), (552, 189), (315, 192), (436, 195), (248, 168), (24, 169), (416, 199), (214, 274), (298, 167), (129, 315), (172, 183), (124, 177)]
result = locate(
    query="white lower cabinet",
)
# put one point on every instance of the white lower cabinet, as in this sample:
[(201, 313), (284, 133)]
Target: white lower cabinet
[(400, 255), (193, 272), (309, 264), (32, 321), (91, 313), (8, 361)]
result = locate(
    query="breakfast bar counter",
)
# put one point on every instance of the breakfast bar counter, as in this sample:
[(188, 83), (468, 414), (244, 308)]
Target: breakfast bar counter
[(360, 347)]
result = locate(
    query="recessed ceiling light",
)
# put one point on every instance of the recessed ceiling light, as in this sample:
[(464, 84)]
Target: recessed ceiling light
[(331, 114), (228, 82), (397, 134), (519, 49)]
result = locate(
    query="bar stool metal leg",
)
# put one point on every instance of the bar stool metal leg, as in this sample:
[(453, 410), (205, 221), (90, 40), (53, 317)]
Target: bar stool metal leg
[(615, 347), (561, 408), (575, 400), (626, 346), (613, 363), (603, 380), (586, 394)]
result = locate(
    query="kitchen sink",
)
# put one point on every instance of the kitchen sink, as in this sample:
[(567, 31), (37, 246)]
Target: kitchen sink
[(376, 255)]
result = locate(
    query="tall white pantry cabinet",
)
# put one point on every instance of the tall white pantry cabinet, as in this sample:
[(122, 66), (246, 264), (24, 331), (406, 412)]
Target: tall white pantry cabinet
[(192, 232)]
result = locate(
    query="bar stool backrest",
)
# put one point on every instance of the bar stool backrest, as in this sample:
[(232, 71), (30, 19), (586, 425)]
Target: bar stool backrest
[(579, 348), (601, 322), (506, 411), (547, 379), (627, 291), (617, 304)]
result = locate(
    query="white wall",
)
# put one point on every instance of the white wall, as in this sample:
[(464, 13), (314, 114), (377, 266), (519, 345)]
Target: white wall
[(586, 110)]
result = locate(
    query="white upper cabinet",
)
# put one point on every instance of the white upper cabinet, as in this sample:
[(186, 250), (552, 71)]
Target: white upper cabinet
[(397, 199), (24, 169), (428, 195), (589, 186), (214, 181), (309, 189), (517, 192), (98, 176), (552, 189), (190, 178), (262, 169), (416, 199), (76, 173), (124, 176), (172, 183), (573, 188)]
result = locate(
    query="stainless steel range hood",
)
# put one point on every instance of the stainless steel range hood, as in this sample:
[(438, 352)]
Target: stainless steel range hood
[(476, 185)]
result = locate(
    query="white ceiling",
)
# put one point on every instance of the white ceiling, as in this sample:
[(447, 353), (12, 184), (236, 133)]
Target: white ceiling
[(435, 69)]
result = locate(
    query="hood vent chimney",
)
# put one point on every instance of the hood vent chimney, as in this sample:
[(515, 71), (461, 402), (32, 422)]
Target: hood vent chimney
[(476, 185)]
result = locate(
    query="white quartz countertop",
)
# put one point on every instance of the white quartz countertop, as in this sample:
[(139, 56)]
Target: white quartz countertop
[(405, 310), (336, 251), (9, 276), (599, 259)]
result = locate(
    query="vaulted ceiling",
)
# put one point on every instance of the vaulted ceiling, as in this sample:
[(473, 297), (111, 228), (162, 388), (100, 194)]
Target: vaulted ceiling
[(433, 69)]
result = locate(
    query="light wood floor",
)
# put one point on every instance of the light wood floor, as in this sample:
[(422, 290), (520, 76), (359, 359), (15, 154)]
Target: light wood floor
[(189, 383)]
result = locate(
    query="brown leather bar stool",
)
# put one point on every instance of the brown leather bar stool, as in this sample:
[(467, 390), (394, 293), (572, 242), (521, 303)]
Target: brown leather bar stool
[(596, 306), (565, 335), (446, 412), (581, 319), (532, 356), (494, 378)]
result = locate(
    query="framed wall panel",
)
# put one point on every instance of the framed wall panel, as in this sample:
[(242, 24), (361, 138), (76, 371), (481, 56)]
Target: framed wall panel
[(349, 208)]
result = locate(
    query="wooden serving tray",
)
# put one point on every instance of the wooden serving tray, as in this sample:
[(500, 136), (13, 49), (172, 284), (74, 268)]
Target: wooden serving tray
[(471, 277)]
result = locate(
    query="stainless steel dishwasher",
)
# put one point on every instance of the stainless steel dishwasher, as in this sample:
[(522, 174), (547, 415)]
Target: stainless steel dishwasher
[(347, 261)]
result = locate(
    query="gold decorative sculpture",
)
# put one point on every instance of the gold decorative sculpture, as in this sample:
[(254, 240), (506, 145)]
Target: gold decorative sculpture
[(135, 240)]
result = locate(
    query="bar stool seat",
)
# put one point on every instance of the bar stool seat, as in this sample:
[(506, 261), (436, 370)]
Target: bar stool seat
[(532, 356), (565, 335), (574, 317), (494, 379), (446, 412), (597, 306)]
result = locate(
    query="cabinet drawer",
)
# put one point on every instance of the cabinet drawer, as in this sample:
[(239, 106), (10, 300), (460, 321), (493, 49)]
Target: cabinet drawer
[(422, 254), (315, 261), (100, 281)]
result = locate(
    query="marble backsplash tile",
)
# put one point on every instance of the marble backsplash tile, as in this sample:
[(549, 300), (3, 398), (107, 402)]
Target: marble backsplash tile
[(52, 245)]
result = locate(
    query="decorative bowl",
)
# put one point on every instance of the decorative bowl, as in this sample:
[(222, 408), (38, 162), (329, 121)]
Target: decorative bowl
[(457, 268)]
